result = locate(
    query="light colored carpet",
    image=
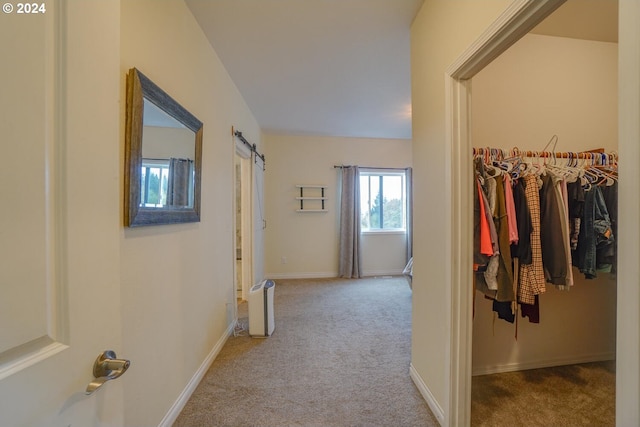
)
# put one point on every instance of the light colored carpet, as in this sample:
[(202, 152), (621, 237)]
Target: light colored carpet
[(339, 356)]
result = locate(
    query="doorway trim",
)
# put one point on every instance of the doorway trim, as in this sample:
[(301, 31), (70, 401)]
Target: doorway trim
[(516, 21), (243, 154), (628, 297)]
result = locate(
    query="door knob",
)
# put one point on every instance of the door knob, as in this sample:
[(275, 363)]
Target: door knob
[(105, 368)]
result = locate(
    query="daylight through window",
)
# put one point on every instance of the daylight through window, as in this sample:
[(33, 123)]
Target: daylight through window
[(154, 180), (382, 200)]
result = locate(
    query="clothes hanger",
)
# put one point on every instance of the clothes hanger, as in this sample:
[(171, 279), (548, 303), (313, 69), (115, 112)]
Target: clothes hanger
[(513, 165), (602, 168), (569, 171), (540, 168), (490, 157), (554, 141), (505, 163), (606, 176), (590, 175), (563, 171)]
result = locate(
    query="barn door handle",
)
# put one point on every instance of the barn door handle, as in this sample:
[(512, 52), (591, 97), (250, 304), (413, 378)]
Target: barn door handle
[(105, 368)]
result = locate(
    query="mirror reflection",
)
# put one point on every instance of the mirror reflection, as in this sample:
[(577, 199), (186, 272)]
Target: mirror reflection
[(168, 154), (163, 156)]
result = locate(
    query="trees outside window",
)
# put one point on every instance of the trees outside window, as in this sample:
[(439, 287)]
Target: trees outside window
[(154, 179), (382, 201)]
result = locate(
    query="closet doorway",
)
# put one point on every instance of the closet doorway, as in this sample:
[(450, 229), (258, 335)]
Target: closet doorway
[(555, 91), (507, 30)]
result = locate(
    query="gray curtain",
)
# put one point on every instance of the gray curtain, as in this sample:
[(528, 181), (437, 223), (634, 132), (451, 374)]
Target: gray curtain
[(409, 191), (350, 265), (180, 178)]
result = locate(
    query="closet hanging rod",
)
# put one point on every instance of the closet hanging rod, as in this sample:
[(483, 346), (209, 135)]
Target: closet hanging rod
[(596, 154)]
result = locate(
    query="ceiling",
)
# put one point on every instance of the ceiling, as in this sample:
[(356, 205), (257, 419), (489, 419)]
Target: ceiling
[(342, 68), (583, 19), (317, 67)]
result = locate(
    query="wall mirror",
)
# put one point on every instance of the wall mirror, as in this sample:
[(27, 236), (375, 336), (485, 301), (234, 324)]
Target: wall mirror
[(163, 157)]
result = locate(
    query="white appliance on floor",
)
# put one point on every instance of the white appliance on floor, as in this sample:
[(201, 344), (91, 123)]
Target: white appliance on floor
[(261, 317)]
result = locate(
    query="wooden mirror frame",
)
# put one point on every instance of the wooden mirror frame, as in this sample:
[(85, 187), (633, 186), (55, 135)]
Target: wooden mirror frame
[(140, 87)]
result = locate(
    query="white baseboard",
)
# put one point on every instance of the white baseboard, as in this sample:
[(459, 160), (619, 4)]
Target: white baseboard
[(330, 275), (374, 273), (182, 400), (323, 275), (543, 363), (427, 395)]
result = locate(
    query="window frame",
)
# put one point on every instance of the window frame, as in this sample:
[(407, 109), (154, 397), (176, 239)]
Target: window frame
[(371, 172), (145, 167)]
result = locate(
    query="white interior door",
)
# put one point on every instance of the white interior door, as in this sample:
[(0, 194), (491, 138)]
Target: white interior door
[(59, 212)]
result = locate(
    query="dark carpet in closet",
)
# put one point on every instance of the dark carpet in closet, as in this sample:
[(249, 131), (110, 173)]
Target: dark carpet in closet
[(573, 395)]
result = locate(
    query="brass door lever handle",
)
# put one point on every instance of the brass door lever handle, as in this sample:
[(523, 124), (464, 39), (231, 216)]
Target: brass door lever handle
[(105, 368)]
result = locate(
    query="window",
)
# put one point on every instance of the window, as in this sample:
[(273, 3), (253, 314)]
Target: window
[(154, 180), (382, 200)]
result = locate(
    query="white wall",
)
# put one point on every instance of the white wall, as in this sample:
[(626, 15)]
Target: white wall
[(441, 31), (177, 280), (543, 86), (309, 241)]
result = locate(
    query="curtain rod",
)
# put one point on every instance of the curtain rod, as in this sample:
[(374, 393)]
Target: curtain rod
[(368, 167), (252, 147), (166, 158)]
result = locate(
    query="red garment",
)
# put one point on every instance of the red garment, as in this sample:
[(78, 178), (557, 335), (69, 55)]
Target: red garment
[(486, 246)]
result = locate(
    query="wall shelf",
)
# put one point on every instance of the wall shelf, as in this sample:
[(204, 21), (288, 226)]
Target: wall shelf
[(312, 198)]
